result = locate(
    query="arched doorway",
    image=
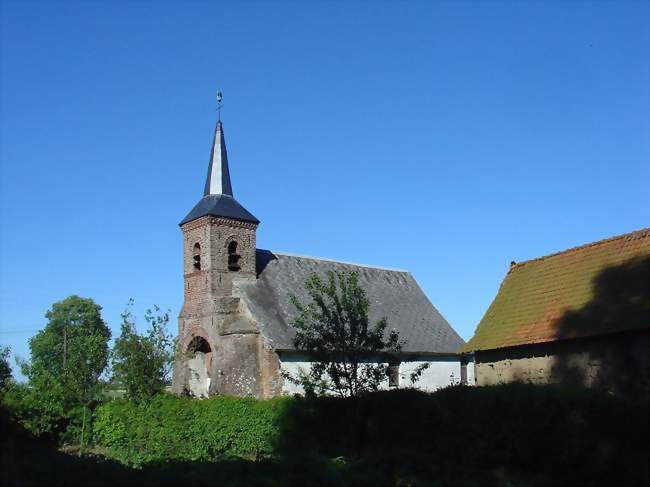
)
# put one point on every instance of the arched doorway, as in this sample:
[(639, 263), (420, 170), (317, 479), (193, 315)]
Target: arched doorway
[(199, 363)]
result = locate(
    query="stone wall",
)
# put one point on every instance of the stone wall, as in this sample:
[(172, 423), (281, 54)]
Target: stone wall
[(615, 363)]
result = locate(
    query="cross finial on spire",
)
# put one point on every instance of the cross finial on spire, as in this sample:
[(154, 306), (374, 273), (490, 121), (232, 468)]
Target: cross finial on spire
[(219, 104)]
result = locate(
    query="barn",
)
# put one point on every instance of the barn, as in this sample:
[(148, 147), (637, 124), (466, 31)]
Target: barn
[(579, 317)]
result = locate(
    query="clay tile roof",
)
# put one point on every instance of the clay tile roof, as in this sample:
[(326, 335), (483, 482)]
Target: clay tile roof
[(598, 288)]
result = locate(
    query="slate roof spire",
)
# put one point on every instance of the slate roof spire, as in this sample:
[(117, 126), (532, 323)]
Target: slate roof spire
[(218, 180), (217, 196)]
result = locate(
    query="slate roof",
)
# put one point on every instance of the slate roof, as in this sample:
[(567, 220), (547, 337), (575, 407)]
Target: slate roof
[(393, 294), (598, 288), (218, 180), (218, 199), (219, 205)]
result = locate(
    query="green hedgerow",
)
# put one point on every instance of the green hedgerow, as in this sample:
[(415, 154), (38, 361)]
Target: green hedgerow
[(515, 433), (176, 428)]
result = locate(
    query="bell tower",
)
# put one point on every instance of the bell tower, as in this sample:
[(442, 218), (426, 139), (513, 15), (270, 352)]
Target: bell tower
[(218, 249), (219, 233)]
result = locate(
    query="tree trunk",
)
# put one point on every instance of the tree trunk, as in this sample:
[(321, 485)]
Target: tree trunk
[(65, 345), (83, 427), (357, 429)]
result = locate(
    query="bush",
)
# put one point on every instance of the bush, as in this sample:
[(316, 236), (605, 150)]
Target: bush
[(518, 434), (525, 430), (44, 419), (177, 428)]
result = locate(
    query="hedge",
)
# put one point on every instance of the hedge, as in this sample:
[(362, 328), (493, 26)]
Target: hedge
[(545, 432), (177, 428), (550, 430)]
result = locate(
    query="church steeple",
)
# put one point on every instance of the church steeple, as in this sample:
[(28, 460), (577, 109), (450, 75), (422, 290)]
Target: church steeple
[(217, 198), (218, 180), (219, 253)]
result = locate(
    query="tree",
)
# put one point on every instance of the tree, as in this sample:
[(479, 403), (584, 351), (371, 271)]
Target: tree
[(142, 363), (349, 355), (67, 359), (5, 368)]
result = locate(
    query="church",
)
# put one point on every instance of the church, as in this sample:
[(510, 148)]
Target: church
[(234, 332)]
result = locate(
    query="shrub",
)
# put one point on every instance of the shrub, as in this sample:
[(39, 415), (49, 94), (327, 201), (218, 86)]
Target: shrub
[(142, 363), (177, 428), (43, 418), (549, 431), (516, 433)]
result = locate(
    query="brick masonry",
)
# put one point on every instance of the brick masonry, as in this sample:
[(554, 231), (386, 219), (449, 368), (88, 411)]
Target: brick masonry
[(239, 361)]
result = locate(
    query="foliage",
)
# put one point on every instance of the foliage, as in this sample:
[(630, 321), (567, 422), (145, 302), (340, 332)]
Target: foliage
[(43, 415), (5, 368), (177, 428), (142, 363), (416, 374), (30, 463), (67, 359), (334, 329), (512, 434), (521, 430)]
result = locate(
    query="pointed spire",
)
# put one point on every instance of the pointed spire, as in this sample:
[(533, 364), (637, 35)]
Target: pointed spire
[(218, 181), (217, 198)]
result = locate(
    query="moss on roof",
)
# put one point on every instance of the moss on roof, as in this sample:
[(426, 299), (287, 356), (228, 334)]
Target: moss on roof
[(598, 288)]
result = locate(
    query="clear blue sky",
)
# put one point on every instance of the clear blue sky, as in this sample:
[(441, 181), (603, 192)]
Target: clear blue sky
[(443, 138)]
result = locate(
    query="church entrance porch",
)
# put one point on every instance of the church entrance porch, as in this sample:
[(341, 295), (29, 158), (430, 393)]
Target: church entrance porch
[(199, 364)]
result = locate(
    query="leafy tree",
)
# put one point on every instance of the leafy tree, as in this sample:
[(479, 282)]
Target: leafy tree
[(67, 359), (5, 368), (334, 329), (142, 363)]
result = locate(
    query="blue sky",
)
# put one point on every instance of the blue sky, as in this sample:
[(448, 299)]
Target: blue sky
[(443, 138)]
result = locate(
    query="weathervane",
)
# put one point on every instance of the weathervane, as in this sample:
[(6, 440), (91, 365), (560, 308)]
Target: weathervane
[(219, 104)]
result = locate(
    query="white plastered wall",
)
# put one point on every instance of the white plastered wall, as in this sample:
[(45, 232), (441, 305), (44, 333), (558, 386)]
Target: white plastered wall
[(471, 371), (443, 371), (199, 382)]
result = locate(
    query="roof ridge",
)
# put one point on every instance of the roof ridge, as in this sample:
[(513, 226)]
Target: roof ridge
[(287, 254), (641, 233)]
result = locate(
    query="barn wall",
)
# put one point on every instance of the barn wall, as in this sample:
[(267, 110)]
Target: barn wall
[(614, 363), (442, 371)]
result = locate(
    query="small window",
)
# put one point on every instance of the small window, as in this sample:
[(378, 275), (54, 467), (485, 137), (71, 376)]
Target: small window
[(393, 375), (196, 257), (233, 257)]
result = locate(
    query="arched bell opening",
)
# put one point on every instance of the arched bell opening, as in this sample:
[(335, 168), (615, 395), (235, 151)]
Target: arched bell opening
[(233, 257), (199, 364), (196, 257)]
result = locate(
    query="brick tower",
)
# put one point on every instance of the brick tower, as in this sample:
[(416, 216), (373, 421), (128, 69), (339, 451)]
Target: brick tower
[(217, 349)]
